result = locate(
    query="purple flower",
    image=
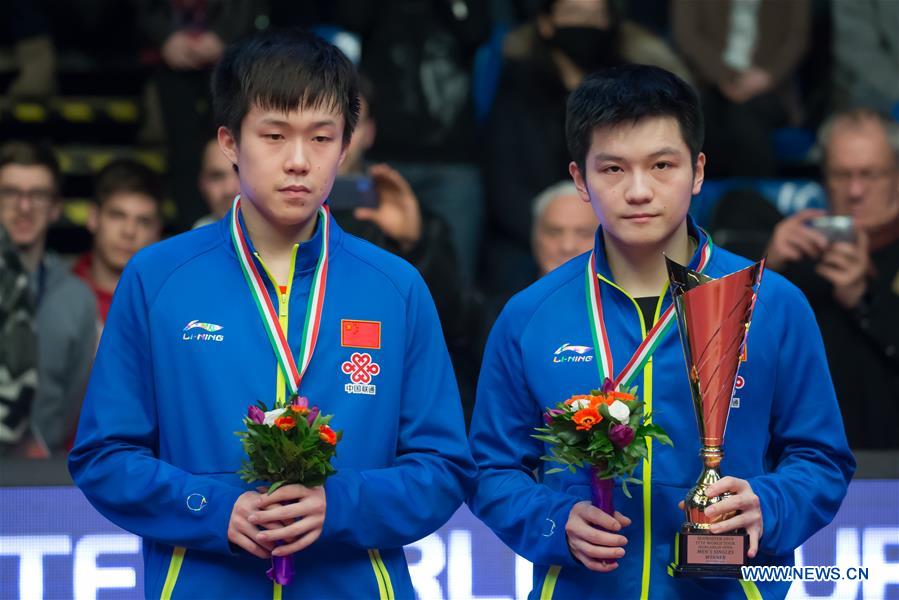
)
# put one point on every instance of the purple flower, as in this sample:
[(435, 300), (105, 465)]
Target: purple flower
[(255, 414), (550, 414), (621, 435), (607, 386), (313, 414), (301, 401)]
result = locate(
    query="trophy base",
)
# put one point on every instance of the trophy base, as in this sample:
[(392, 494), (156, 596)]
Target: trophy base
[(710, 555)]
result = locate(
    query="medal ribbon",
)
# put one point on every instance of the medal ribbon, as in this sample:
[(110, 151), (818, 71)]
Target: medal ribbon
[(649, 344), (267, 311)]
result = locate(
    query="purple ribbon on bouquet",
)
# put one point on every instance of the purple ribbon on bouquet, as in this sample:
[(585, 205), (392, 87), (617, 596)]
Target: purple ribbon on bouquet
[(282, 569)]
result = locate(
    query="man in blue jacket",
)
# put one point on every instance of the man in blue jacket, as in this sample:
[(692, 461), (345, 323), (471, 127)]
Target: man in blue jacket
[(635, 134), (192, 339)]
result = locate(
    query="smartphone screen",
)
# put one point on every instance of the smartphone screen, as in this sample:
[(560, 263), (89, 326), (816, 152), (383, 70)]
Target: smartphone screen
[(351, 191)]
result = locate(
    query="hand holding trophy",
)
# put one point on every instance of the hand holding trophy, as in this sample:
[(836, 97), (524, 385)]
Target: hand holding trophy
[(713, 318)]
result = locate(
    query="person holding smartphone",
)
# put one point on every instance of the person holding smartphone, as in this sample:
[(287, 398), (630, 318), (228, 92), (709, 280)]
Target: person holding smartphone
[(851, 278)]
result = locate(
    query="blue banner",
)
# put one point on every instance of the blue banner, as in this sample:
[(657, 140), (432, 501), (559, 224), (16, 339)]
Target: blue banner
[(53, 544)]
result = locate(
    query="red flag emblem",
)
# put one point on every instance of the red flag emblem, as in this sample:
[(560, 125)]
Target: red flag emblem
[(360, 334)]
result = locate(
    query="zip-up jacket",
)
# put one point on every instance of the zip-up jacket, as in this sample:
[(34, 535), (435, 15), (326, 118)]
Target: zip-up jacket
[(156, 451), (784, 434)]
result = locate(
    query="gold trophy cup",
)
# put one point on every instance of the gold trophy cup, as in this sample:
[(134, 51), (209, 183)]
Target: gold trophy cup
[(713, 318)]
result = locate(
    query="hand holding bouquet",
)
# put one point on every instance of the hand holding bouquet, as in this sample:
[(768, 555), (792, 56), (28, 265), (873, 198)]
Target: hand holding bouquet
[(288, 445)]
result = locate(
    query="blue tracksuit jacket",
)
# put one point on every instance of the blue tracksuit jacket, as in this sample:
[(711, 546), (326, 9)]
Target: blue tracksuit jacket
[(786, 437), (156, 451)]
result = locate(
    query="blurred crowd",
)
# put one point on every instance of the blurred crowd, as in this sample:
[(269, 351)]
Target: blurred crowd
[(458, 164)]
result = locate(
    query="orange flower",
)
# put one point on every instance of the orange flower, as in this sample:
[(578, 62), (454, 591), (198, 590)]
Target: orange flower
[(574, 399), (285, 423), (595, 401), (586, 418), (327, 435), (620, 396), (299, 409)]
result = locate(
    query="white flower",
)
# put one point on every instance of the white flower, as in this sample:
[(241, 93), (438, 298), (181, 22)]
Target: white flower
[(579, 404), (619, 411), (271, 415)]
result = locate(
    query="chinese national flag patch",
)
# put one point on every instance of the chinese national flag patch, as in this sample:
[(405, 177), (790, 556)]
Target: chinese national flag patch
[(360, 334)]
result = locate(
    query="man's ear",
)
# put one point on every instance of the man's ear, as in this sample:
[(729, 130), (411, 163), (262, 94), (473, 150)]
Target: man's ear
[(579, 182), (228, 144), (698, 173)]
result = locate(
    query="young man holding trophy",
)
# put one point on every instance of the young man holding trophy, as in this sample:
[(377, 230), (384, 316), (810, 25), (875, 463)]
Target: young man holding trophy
[(635, 134)]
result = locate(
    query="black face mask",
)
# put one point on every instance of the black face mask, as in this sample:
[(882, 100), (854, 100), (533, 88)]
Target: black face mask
[(590, 48)]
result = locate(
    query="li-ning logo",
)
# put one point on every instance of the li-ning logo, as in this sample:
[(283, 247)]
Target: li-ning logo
[(566, 353), (190, 335)]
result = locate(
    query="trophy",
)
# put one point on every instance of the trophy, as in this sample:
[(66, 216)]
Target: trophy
[(713, 319)]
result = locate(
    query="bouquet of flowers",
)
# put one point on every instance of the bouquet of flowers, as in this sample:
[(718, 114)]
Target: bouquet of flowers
[(605, 429), (293, 444)]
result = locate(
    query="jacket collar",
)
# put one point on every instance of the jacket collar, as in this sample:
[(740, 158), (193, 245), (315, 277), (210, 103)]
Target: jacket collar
[(602, 262), (307, 253)]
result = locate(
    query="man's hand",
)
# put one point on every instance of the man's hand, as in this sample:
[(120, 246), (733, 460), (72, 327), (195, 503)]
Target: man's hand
[(398, 214), (793, 240), (594, 548), (846, 266), (241, 532), (179, 53), (301, 508), (749, 84), (743, 500), (208, 47)]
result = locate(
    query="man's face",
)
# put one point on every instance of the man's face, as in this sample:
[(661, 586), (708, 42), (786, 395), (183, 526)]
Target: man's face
[(563, 231), (122, 225), (287, 161), (639, 180), (861, 175), (218, 181), (28, 203)]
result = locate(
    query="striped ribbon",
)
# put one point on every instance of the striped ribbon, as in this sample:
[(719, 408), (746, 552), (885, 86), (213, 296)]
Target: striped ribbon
[(269, 314), (649, 344)]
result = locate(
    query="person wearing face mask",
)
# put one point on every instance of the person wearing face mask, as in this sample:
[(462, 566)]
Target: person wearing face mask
[(525, 152)]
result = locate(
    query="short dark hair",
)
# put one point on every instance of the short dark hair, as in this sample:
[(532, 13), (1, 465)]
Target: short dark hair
[(31, 154), (284, 70), (629, 93), (125, 175)]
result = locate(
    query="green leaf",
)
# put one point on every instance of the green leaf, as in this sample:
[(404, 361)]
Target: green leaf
[(275, 486), (604, 411), (657, 433), (554, 470)]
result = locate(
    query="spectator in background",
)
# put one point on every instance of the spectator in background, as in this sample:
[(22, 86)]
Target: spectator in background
[(66, 309), (420, 56), (525, 143), (218, 183), (866, 54), (854, 287), (744, 54), (18, 347), (401, 225), (563, 226), (26, 25), (126, 217), (188, 37)]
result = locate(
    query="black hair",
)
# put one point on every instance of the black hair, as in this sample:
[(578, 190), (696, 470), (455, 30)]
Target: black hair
[(284, 70), (629, 93), (126, 175), (31, 154)]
